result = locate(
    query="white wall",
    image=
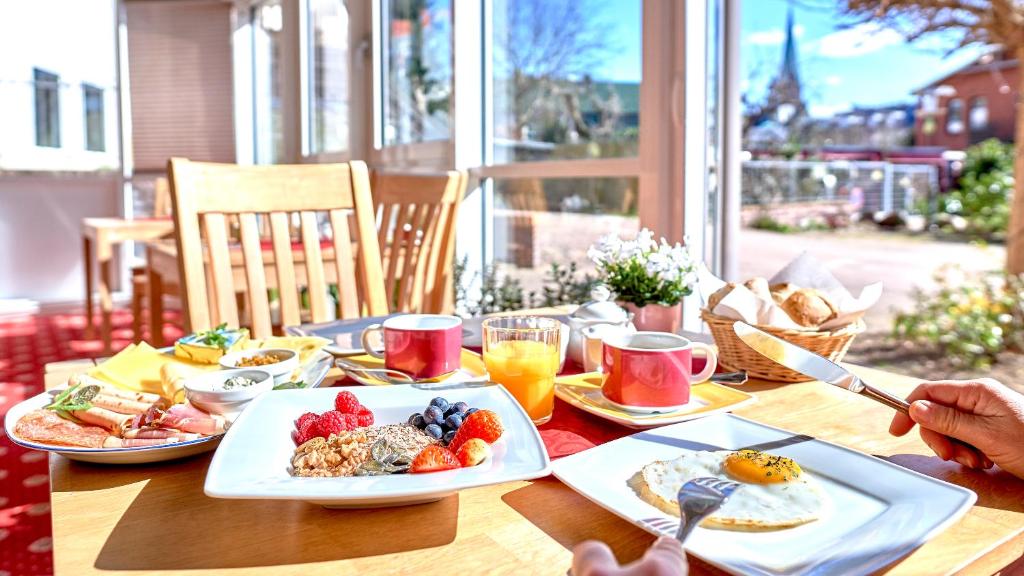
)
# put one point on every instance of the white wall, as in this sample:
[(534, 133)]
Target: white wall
[(71, 38), (40, 239)]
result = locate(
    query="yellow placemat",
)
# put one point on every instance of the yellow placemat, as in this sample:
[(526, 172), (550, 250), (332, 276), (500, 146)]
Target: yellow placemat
[(472, 364)]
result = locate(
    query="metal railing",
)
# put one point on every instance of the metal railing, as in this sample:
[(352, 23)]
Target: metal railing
[(866, 186)]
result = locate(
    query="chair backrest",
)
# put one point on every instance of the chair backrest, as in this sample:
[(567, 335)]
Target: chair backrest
[(161, 197), (210, 199), (417, 215)]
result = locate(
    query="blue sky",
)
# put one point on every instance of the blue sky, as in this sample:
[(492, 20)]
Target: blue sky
[(840, 68)]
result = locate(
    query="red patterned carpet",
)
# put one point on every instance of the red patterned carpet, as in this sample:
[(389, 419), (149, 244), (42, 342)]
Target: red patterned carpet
[(28, 343)]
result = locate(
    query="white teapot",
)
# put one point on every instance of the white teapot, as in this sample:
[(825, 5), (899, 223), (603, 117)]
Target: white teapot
[(591, 323)]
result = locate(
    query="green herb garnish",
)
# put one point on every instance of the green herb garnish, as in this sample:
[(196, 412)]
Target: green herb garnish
[(290, 385), (75, 398), (216, 337)]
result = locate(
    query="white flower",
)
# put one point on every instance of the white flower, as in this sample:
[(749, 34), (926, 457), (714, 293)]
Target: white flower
[(645, 240)]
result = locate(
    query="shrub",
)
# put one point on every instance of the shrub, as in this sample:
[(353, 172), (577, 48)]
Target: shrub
[(971, 318), (983, 190)]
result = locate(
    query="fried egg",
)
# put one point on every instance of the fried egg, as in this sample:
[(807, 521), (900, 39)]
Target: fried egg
[(774, 492)]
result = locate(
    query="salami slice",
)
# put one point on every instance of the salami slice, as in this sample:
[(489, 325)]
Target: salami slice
[(46, 427)]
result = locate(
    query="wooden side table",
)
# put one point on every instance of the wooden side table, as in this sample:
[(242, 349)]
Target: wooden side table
[(99, 237)]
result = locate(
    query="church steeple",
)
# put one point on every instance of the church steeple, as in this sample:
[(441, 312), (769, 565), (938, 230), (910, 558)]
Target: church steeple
[(790, 69)]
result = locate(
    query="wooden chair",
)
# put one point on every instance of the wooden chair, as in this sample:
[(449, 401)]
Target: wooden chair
[(140, 284), (208, 197), (417, 216)]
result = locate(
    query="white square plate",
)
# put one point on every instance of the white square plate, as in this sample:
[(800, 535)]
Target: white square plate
[(879, 511), (254, 458)]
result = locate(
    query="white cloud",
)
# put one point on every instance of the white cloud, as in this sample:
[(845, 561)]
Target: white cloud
[(833, 80), (827, 110), (857, 41), (772, 37)]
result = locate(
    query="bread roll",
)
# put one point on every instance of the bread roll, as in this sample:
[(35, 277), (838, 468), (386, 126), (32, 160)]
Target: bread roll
[(808, 307), (718, 295), (759, 286), (782, 291)]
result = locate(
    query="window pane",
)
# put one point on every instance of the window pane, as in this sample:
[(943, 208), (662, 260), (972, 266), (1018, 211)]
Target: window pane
[(566, 79), (979, 113), (538, 223), (418, 71), (268, 129), (93, 102), (955, 118), (328, 78), (47, 105)]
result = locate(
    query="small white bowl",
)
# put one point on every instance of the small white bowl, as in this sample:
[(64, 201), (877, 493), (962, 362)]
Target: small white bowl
[(206, 393), (288, 361)]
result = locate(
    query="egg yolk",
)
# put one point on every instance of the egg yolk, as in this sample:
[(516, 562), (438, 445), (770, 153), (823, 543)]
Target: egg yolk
[(756, 467)]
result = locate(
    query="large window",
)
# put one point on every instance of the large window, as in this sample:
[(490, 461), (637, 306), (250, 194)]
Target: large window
[(955, 116), (417, 71), (47, 97), (566, 79), (268, 91), (328, 77), (92, 100)]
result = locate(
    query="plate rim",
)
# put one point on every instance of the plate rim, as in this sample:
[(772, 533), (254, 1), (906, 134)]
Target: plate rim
[(214, 491), (877, 562)]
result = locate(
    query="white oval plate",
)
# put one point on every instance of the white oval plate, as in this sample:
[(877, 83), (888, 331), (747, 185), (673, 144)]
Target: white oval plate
[(313, 373)]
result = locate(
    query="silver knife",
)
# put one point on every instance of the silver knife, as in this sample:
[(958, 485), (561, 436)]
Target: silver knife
[(806, 362)]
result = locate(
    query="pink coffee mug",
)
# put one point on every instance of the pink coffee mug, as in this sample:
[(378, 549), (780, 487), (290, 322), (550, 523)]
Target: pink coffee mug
[(421, 345), (651, 371)]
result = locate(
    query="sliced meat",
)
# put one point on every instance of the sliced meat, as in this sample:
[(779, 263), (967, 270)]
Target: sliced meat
[(46, 427)]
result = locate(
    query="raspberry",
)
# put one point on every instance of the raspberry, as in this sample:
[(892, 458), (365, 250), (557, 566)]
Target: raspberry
[(482, 424), (351, 422), (306, 429), (330, 422), (433, 459), (305, 418), (347, 403), (365, 417)]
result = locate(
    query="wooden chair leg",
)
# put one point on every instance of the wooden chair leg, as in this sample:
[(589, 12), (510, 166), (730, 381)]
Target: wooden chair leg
[(139, 288), (156, 309)]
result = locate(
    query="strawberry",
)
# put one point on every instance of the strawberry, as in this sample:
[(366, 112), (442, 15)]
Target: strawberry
[(365, 416), (347, 403), (433, 458), (331, 422), (473, 452), (482, 424)]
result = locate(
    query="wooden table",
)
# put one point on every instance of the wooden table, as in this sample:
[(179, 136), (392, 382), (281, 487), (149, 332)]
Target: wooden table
[(99, 237), (155, 518)]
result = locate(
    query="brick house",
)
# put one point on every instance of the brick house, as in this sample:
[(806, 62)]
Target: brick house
[(969, 105)]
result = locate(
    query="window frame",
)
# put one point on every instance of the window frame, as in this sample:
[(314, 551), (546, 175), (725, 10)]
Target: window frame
[(971, 105), (88, 91), (46, 87)]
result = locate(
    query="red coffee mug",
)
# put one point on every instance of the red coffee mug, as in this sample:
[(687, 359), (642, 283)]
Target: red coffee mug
[(421, 345), (651, 371)]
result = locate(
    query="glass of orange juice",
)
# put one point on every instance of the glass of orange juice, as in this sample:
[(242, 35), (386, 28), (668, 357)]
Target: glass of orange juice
[(522, 354)]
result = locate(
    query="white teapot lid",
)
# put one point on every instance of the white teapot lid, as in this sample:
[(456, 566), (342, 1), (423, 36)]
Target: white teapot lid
[(601, 307)]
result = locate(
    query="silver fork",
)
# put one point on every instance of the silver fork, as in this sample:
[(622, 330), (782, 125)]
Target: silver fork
[(698, 498)]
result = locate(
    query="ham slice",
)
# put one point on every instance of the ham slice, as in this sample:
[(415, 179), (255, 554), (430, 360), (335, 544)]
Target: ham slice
[(108, 419), (111, 390), (46, 427), (120, 405), (188, 418), (152, 433)]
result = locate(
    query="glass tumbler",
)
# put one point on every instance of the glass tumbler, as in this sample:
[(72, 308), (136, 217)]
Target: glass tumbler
[(522, 354)]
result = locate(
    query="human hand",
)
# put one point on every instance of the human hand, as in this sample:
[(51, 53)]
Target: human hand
[(982, 412), (664, 558)]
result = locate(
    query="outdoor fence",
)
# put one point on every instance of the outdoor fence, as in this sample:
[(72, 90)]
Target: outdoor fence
[(862, 187)]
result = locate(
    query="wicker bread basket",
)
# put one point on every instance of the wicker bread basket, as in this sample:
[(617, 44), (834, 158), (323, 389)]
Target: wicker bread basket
[(733, 354)]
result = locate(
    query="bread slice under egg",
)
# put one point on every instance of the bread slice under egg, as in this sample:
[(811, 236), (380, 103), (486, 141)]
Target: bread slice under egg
[(655, 474)]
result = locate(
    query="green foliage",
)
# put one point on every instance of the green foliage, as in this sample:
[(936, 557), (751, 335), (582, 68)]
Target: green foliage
[(766, 222), (983, 191), (501, 293), (561, 286), (972, 319)]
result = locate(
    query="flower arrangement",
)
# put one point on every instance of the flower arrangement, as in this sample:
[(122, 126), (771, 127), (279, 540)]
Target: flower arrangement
[(642, 271)]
